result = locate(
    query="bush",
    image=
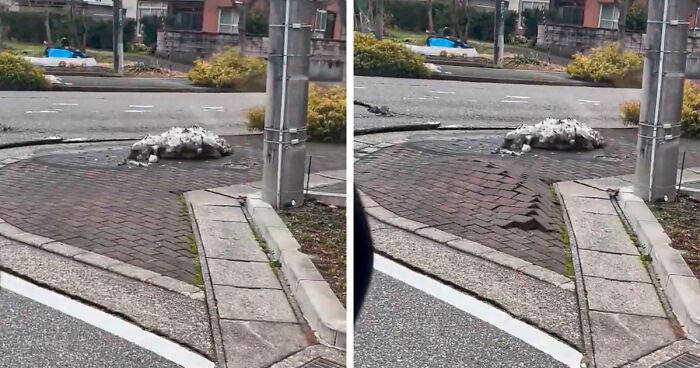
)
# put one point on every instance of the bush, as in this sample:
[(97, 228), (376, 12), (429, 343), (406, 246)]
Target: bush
[(16, 73), (256, 23), (325, 116), (690, 113), (150, 25), (531, 19), (636, 20), (386, 58), (481, 24), (607, 64), (229, 69)]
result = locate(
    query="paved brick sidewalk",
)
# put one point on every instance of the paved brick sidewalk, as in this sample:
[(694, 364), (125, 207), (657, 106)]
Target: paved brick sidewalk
[(128, 213), (504, 202)]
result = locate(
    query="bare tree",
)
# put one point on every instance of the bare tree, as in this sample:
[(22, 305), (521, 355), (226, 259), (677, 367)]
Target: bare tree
[(379, 20), (431, 25), (73, 26), (624, 7)]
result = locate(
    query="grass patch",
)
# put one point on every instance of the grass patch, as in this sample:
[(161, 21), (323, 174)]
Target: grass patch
[(37, 50), (569, 265), (198, 278), (403, 36), (680, 221)]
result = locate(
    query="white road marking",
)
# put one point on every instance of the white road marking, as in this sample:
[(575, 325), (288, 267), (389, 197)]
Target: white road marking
[(514, 101), (360, 87), (589, 101), (40, 111), (212, 107), (443, 92), (491, 315), (519, 97), (107, 322), (64, 104), (137, 111), (141, 106)]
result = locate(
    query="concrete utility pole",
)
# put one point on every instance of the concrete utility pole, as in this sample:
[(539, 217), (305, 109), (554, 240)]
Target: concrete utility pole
[(498, 33), (118, 37), (287, 99), (662, 96)]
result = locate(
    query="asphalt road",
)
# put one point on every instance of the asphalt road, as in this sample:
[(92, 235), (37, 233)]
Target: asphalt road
[(401, 326), (34, 335), (485, 105), (34, 115)]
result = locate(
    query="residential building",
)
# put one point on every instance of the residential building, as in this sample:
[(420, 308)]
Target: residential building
[(598, 13)]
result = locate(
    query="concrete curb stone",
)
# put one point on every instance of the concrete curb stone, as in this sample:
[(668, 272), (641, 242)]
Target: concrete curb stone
[(677, 280), (320, 307), (464, 245)]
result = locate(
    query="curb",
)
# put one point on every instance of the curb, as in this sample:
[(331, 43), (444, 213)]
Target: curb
[(396, 128), (59, 140), (64, 88), (332, 199), (461, 78), (677, 280), (380, 213), (319, 305), (100, 261)]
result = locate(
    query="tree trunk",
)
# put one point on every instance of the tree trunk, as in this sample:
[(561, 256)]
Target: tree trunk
[(75, 41), (47, 26), (431, 26), (454, 20), (379, 20), (621, 26), (242, 21)]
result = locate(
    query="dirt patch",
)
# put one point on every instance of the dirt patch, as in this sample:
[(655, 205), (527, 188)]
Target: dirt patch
[(680, 221), (320, 230)]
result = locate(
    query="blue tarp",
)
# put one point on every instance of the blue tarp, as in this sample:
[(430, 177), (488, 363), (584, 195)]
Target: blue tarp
[(60, 53)]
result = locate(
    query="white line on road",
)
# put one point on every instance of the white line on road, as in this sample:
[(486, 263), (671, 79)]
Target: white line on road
[(212, 107), (514, 101), (493, 316), (137, 111), (40, 111), (443, 92), (141, 106), (360, 87), (107, 322), (589, 101), (519, 97), (64, 104)]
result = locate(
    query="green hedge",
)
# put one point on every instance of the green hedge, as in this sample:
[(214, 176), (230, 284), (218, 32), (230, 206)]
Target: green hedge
[(18, 74), (690, 111), (29, 27), (229, 69), (386, 58)]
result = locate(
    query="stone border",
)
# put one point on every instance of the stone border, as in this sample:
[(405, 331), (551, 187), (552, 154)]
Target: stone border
[(380, 213), (100, 261), (319, 305), (677, 280), (332, 199)]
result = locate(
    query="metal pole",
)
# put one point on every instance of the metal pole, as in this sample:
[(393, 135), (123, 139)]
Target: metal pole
[(118, 37), (680, 178), (284, 152), (308, 175), (498, 33), (662, 94)]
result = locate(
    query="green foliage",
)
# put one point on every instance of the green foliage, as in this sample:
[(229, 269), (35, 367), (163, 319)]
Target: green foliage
[(29, 27), (607, 64), (229, 69), (256, 23), (690, 113), (150, 25), (413, 16), (18, 74), (636, 20), (531, 18), (481, 23), (326, 115), (386, 58)]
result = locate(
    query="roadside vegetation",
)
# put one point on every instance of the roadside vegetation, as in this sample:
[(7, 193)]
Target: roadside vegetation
[(386, 58), (16, 73), (325, 115), (608, 64), (230, 69), (690, 113), (680, 221)]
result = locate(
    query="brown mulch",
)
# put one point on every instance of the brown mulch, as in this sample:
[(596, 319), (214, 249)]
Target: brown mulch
[(321, 231), (681, 221)]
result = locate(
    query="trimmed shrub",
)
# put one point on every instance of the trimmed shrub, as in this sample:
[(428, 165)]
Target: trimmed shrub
[(325, 115), (386, 58), (16, 73), (229, 69), (607, 64), (690, 115)]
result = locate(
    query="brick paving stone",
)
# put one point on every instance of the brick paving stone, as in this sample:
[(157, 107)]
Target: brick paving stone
[(503, 202), (132, 214)]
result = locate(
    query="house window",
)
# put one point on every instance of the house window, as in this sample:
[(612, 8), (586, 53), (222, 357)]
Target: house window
[(609, 14), (228, 20), (321, 20), (149, 8)]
